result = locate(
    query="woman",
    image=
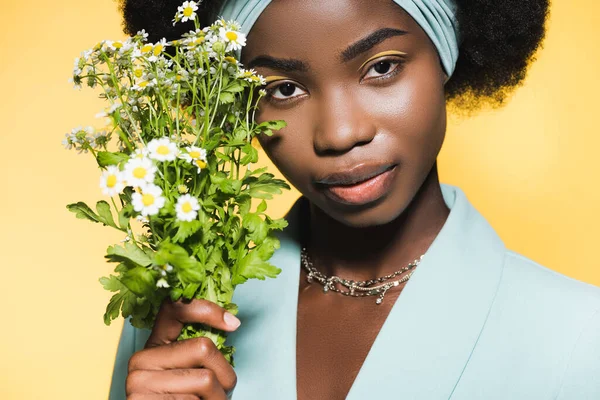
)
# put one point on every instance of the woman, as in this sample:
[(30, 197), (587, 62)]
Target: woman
[(363, 87)]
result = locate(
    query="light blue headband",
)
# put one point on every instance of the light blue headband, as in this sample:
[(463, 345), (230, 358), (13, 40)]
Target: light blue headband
[(436, 17)]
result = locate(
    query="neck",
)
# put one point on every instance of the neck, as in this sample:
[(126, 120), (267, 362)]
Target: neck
[(368, 253)]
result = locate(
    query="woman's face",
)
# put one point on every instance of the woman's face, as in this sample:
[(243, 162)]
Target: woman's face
[(360, 86)]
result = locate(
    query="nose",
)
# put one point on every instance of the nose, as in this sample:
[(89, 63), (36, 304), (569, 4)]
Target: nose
[(341, 124)]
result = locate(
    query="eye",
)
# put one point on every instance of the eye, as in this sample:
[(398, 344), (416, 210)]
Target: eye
[(284, 91), (383, 69)]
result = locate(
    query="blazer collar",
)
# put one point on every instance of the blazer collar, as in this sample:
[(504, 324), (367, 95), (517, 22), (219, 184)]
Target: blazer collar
[(427, 338)]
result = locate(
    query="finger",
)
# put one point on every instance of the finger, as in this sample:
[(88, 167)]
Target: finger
[(200, 382), (142, 396), (186, 354), (173, 315)]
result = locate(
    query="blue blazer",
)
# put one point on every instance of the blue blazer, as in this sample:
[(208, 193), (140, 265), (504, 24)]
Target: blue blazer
[(481, 321)]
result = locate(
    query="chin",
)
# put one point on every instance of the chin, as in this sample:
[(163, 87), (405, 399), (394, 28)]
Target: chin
[(382, 212)]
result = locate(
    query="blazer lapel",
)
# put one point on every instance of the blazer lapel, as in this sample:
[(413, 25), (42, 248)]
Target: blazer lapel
[(429, 335), (427, 338)]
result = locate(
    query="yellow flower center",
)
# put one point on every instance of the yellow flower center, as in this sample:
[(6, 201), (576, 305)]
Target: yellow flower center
[(194, 154), (182, 189), (201, 164), (158, 49), (163, 150), (178, 77), (147, 199), (117, 45), (111, 181), (146, 48), (143, 84), (200, 40), (231, 59), (231, 36), (186, 207), (140, 172), (138, 72), (188, 12)]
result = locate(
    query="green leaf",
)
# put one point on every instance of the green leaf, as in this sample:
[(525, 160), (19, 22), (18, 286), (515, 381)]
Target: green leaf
[(251, 172), (104, 214), (269, 126), (230, 186), (114, 306), (250, 156), (211, 291), (257, 228), (276, 224), (124, 216), (255, 266), (188, 269), (83, 211), (226, 97), (185, 229), (129, 253), (190, 290), (175, 294), (262, 207), (234, 87), (111, 283), (106, 158), (140, 281), (244, 203)]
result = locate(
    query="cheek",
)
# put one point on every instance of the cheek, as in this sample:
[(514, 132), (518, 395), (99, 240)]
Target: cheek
[(412, 115), (290, 148)]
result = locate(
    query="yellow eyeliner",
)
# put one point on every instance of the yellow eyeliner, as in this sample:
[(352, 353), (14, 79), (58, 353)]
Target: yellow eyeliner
[(272, 78), (383, 53)]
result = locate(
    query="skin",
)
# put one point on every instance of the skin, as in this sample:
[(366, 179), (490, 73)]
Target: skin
[(339, 114)]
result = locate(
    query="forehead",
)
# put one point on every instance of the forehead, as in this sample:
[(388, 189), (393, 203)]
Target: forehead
[(309, 27)]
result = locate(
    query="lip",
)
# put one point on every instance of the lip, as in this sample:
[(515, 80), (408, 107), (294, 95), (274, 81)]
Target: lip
[(360, 185)]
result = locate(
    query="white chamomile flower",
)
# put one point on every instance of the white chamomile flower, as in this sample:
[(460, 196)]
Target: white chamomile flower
[(162, 283), (164, 269), (187, 208), (235, 40), (100, 140), (139, 172), (187, 11), (111, 181), (143, 84), (194, 153), (114, 45), (251, 76), (196, 156), (149, 201), (163, 149), (69, 141), (140, 153), (143, 34)]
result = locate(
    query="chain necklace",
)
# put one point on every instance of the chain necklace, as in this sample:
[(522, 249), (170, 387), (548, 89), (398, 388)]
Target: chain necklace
[(357, 288)]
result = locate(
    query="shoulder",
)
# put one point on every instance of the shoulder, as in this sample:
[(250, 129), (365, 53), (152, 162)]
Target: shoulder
[(555, 317), (532, 280)]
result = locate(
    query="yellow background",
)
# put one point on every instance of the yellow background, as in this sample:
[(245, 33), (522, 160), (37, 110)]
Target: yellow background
[(530, 168)]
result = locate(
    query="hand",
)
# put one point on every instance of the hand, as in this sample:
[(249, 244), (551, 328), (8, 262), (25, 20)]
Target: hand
[(189, 369)]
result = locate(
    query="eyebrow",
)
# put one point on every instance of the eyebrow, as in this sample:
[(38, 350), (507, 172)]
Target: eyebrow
[(281, 64), (367, 43), (354, 50)]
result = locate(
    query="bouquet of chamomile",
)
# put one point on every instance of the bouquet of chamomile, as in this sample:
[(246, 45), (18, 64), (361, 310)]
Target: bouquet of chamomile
[(175, 159)]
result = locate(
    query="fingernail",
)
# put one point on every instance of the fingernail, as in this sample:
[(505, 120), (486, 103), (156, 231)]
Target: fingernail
[(231, 320)]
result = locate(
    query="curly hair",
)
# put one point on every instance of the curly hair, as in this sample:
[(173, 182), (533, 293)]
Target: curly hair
[(499, 40)]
